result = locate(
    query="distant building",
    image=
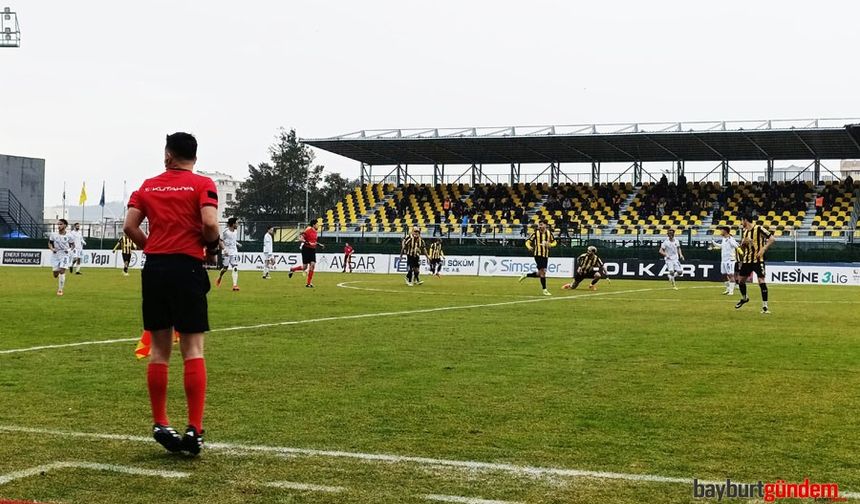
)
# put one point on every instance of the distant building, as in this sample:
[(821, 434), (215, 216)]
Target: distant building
[(850, 167), (22, 195), (227, 187)]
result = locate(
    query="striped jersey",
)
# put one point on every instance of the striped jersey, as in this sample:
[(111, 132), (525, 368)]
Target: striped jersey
[(540, 242), (754, 240), (412, 246), (589, 262), (125, 245), (435, 251)]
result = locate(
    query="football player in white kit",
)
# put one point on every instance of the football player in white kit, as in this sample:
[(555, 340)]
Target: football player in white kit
[(727, 245), (78, 243), (268, 258), (231, 246), (670, 249), (60, 243)]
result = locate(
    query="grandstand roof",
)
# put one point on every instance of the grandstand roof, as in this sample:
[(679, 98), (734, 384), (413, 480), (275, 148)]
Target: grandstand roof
[(607, 143)]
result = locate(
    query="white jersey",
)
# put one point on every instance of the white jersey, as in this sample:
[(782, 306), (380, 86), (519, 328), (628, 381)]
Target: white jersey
[(62, 243), (231, 244), (672, 249), (727, 248), (78, 241), (267, 243)]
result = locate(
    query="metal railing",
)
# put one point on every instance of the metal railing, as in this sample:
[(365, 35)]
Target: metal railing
[(12, 211)]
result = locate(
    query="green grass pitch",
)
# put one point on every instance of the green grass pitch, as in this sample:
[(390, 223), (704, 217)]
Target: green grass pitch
[(635, 379)]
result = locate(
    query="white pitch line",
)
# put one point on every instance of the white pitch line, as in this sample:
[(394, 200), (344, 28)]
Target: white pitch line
[(519, 470), (305, 487), (358, 316), (35, 471), (464, 500)]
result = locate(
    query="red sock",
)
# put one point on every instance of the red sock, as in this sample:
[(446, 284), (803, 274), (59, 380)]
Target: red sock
[(195, 391), (310, 276), (296, 268), (156, 382)]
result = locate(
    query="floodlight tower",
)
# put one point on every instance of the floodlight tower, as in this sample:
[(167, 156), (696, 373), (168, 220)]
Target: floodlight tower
[(10, 33)]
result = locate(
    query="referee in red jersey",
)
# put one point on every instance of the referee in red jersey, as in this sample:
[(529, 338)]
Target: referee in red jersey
[(181, 207)]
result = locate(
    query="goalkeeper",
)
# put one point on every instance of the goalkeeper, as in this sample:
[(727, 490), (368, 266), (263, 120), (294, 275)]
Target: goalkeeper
[(588, 265)]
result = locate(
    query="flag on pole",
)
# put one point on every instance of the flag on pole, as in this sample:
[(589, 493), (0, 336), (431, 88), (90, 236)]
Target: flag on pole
[(83, 198), (144, 346), (102, 200)]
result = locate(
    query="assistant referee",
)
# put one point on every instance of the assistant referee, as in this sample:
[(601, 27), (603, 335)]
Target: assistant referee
[(182, 209)]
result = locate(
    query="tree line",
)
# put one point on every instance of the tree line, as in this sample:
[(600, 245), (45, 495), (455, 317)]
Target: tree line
[(274, 191)]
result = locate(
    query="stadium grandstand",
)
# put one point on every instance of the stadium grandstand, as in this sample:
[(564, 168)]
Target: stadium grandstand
[(685, 176)]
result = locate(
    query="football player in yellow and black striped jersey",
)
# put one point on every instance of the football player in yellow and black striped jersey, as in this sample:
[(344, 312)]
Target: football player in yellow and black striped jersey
[(539, 243), (126, 246), (435, 256), (413, 248), (754, 243), (588, 265)]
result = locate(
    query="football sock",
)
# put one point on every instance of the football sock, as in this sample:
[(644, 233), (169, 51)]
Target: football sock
[(310, 276), (235, 277), (195, 390), (296, 268), (265, 268), (156, 382), (731, 287), (409, 275), (763, 288), (594, 282), (743, 287), (125, 269), (61, 281), (543, 282), (532, 274), (415, 276)]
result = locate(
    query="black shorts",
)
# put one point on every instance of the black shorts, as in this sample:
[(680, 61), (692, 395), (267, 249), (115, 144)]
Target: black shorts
[(174, 293), (749, 268), (541, 262), (413, 261), (126, 258), (578, 277), (737, 267), (434, 262), (309, 255)]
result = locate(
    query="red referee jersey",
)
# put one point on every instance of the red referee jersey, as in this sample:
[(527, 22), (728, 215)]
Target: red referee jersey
[(310, 235), (347, 250), (172, 202)]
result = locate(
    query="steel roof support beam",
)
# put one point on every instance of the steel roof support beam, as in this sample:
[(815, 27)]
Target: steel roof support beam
[(366, 173), (724, 172), (595, 172), (515, 173), (816, 171), (477, 174), (810, 149), (619, 149), (770, 171), (554, 173), (438, 174), (706, 144), (757, 146), (580, 152), (658, 144)]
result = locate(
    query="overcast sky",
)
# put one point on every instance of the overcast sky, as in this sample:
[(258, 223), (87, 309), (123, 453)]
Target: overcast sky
[(96, 85)]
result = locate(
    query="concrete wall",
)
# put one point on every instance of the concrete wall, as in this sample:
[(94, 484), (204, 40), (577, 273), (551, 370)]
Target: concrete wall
[(25, 177)]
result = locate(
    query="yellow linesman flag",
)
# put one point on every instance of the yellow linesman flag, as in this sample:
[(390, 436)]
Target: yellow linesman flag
[(83, 198), (144, 346)]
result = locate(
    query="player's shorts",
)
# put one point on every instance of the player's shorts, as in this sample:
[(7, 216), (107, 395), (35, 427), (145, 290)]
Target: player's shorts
[(748, 269), (580, 276), (231, 260), (126, 258), (541, 262), (174, 293), (673, 265), (435, 262), (60, 261), (727, 267), (309, 255), (413, 261), (268, 256)]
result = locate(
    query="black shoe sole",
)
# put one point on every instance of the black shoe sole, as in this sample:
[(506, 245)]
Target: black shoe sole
[(190, 445)]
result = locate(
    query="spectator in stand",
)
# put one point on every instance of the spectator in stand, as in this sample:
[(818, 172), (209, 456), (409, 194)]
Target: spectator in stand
[(446, 206), (819, 203), (464, 225), (479, 224)]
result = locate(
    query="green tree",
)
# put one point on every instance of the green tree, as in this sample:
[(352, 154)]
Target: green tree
[(274, 192)]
